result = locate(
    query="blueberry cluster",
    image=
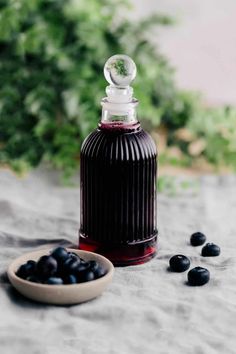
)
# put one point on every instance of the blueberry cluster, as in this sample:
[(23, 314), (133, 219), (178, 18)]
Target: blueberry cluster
[(198, 275), (60, 267)]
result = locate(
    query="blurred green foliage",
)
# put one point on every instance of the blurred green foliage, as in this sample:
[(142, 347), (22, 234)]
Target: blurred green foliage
[(217, 129), (52, 54)]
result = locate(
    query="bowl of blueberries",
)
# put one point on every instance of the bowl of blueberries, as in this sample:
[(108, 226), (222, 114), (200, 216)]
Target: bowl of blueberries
[(61, 276)]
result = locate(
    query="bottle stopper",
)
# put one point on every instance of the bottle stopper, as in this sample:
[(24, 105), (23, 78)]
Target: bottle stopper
[(119, 71)]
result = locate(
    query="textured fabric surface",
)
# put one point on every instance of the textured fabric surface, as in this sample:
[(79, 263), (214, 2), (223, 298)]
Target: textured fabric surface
[(146, 309)]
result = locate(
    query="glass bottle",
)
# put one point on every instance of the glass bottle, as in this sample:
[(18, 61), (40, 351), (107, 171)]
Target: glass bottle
[(118, 175)]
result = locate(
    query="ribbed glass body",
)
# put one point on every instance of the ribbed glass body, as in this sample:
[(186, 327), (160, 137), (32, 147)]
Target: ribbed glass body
[(118, 194)]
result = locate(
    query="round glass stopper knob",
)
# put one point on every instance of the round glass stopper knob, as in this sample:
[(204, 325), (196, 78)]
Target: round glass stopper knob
[(120, 70)]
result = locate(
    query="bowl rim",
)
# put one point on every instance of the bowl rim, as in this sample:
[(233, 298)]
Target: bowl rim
[(12, 275)]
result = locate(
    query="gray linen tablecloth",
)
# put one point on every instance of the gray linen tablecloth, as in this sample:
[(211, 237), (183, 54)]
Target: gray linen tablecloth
[(146, 309)]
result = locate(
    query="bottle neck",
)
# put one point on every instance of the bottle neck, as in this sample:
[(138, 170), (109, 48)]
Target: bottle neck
[(119, 113)]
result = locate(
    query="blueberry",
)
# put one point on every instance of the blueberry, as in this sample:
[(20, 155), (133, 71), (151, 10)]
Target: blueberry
[(81, 271), (70, 266), (85, 276), (82, 267), (33, 279), (179, 263), (197, 239), (198, 276), (210, 250), (100, 272), (70, 279), (74, 256), (89, 275), (23, 272), (54, 281), (60, 254), (32, 264), (93, 265), (26, 269), (46, 267)]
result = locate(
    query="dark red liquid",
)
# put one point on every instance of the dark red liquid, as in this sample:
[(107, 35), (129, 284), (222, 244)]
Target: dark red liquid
[(118, 194)]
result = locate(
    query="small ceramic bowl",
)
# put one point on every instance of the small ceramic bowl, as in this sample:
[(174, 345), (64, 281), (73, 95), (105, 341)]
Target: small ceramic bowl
[(61, 294)]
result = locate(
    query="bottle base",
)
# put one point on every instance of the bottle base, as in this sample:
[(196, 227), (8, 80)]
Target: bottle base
[(123, 255)]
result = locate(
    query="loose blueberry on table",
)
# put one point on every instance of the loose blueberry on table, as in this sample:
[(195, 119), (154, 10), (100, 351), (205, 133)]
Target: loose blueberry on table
[(198, 276), (179, 263), (197, 239), (60, 267), (210, 250)]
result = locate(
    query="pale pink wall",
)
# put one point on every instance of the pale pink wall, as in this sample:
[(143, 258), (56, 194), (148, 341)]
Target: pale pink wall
[(202, 45)]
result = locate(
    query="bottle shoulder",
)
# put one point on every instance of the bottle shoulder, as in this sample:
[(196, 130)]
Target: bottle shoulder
[(125, 145)]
